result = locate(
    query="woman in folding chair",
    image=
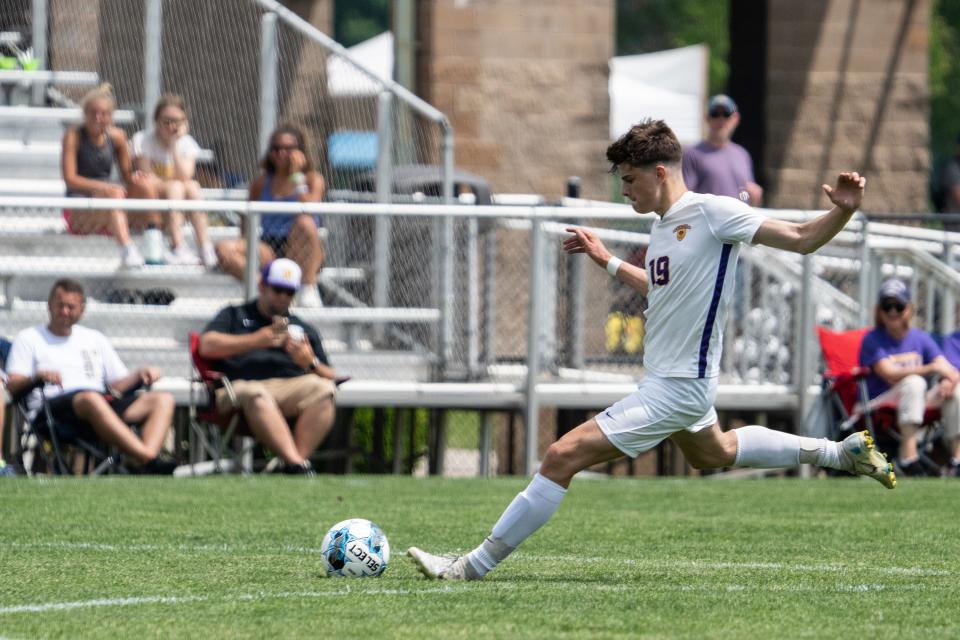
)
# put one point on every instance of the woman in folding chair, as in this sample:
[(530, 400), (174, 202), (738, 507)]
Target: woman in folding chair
[(900, 357), (5, 469), (951, 412), (71, 364)]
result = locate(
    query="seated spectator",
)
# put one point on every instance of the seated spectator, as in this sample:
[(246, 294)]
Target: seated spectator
[(287, 176), (900, 357), (76, 365), (96, 163), (278, 368), (166, 155), (951, 411), (5, 469)]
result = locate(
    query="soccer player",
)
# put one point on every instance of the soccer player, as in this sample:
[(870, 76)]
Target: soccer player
[(688, 279)]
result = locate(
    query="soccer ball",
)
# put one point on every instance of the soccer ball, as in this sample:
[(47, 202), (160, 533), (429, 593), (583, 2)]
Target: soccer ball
[(355, 548)]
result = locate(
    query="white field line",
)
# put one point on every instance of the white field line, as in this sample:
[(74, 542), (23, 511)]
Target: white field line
[(641, 562), (619, 588), (722, 566), (135, 548), (246, 597)]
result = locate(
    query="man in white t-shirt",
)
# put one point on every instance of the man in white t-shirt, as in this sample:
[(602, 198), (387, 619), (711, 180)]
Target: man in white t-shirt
[(688, 279), (75, 366)]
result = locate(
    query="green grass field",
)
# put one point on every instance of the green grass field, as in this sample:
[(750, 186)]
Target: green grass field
[(235, 557)]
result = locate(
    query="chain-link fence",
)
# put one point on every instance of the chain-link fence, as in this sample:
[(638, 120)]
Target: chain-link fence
[(588, 330)]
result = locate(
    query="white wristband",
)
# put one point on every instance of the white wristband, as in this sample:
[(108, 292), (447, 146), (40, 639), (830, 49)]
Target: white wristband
[(613, 264)]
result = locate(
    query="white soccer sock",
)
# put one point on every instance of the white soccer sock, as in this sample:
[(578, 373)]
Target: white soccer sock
[(764, 448), (529, 511)]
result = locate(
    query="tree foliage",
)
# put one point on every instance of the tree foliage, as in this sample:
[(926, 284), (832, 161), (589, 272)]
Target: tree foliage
[(653, 25), (357, 20), (944, 77)]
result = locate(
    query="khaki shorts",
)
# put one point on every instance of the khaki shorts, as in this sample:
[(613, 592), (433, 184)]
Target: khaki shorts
[(292, 395)]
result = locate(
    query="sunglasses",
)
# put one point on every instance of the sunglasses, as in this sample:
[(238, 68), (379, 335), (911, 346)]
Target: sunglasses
[(282, 291), (893, 305), (287, 147), (719, 113), (169, 121)]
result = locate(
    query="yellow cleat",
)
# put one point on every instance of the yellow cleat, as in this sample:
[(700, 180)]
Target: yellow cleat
[(866, 460)]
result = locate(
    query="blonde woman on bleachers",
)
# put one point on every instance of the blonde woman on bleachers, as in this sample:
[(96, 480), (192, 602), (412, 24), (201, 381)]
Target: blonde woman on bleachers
[(167, 156), (96, 163)]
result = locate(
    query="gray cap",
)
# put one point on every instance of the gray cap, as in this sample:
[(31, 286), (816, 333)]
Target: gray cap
[(896, 290), (722, 101)]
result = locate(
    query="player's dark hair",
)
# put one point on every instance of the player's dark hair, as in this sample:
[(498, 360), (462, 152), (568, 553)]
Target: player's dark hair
[(68, 285), (647, 143)]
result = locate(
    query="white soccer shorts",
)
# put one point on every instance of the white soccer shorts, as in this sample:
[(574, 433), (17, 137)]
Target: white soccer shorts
[(658, 408)]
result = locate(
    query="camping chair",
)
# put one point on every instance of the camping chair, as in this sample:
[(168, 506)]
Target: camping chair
[(211, 432), (845, 382), (54, 445)]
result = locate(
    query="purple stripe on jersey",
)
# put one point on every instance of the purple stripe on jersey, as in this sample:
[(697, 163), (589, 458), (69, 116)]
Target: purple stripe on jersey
[(714, 304)]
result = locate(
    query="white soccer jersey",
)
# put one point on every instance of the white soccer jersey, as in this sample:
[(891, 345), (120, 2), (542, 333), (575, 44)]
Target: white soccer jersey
[(85, 360), (691, 265)]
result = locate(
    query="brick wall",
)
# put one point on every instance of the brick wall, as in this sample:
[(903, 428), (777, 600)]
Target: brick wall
[(847, 90), (525, 87)]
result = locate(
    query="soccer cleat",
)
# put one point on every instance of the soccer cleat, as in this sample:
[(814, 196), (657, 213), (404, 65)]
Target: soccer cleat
[(442, 567), (866, 460)]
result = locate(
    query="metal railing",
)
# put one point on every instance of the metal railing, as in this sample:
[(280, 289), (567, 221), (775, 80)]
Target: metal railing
[(523, 341)]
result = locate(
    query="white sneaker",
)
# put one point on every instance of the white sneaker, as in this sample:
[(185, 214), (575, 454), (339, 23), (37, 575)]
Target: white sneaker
[(130, 257), (442, 567), (181, 255), (310, 297), (209, 256)]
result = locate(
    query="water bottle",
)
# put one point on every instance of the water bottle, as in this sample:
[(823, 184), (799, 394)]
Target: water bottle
[(153, 245)]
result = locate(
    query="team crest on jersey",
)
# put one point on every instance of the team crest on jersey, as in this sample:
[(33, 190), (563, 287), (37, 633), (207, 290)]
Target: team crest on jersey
[(681, 231)]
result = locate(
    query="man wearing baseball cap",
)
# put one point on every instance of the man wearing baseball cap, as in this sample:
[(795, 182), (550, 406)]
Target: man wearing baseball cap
[(901, 357), (277, 366), (718, 165)]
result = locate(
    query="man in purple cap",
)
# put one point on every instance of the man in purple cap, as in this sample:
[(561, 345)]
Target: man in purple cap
[(718, 165), (900, 358), (278, 368)]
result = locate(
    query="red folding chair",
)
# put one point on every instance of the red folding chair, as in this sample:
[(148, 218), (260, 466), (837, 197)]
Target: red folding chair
[(214, 430), (846, 383)]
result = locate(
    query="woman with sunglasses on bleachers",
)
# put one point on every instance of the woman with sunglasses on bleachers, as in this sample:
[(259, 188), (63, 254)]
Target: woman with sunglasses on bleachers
[(287, 176), (901, 358)]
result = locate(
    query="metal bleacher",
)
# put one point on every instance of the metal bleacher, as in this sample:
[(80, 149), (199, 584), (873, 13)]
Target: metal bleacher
[(35, 250)]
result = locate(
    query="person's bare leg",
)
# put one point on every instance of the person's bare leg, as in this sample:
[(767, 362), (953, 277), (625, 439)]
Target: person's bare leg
[(313, 425), (174, 190), (141, 220), (197, 218), (304, 248), (93, 408), (155, 411), (908, 441), (270, 428)]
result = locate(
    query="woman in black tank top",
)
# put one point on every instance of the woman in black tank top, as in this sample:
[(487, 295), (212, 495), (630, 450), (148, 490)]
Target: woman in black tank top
[(96, 163)]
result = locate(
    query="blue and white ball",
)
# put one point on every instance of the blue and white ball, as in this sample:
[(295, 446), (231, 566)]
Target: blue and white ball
[(355, 548)]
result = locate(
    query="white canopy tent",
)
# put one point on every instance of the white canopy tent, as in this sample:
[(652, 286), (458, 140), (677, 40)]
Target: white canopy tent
[(376, 54), (669, 85)]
